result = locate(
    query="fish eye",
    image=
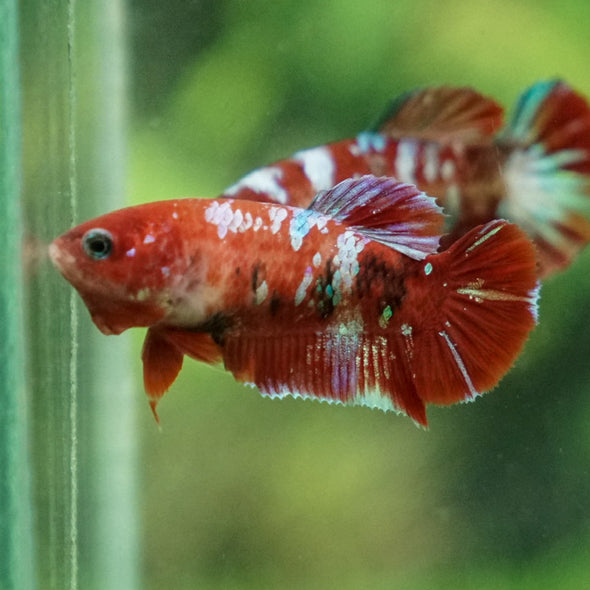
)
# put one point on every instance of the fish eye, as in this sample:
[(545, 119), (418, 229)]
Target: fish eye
[(97, 243)]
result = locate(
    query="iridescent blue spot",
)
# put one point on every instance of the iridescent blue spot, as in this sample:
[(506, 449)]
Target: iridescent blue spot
[(368, 141), (299, 227)]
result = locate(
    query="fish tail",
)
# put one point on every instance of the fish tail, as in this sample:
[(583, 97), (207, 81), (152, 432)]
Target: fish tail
[(484, 306), (547, 171)]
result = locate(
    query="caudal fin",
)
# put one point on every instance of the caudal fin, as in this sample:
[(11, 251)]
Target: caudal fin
[(547, 172), (479, 323)]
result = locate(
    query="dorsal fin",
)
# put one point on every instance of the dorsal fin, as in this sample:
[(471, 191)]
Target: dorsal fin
[(386, 211), (442, 114)]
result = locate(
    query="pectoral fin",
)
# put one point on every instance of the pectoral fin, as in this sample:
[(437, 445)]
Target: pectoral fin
[(163, 353), (162, 362)]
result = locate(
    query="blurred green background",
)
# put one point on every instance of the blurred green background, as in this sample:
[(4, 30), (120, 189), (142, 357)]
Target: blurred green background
[(240, 492), (243, 492)]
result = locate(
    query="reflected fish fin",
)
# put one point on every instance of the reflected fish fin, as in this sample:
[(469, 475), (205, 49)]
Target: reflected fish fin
[(547, 171), (343, 367), (443, 114), (386, 211), (488, 306)]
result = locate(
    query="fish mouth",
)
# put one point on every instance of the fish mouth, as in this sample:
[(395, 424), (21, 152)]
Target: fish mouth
[(54, 253), (64, 263), (60, 258)]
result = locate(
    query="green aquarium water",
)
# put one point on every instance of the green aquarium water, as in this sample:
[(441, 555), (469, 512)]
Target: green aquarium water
[(116, 102), (246, 493)]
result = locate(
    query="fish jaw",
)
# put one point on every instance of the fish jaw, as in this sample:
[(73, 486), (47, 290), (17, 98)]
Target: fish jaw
[(112, 317)]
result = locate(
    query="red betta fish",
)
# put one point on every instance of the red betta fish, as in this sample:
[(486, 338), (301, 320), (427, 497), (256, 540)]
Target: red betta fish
[(346, 301), (535, 173)]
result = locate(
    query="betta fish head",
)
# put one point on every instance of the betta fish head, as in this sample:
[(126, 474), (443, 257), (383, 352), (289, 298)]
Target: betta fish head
[(126, 265)]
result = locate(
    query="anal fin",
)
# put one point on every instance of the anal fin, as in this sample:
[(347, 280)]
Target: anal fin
[(350, 369)]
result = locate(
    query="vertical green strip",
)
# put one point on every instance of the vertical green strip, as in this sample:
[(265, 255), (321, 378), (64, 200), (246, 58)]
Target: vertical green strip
[(16, 563), (115, 400), (83, 401), (74, 323)]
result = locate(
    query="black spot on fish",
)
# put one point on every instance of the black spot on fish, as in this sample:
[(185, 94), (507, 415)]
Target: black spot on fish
[(217, 325), (254, 283), (275, 303), (380, 281)]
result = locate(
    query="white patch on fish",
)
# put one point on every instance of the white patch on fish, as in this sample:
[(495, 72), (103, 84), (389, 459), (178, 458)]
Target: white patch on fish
[(405, 161), (319, 167), (302, 289), (431, 162), (265, 181), (277, 215)]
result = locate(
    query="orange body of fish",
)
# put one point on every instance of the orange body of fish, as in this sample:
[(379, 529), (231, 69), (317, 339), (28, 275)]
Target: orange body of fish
[(345, 301)]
